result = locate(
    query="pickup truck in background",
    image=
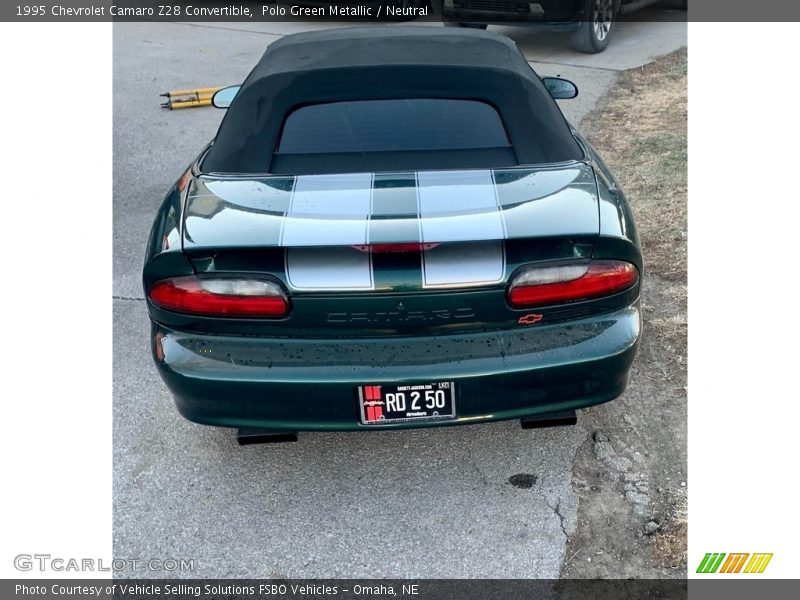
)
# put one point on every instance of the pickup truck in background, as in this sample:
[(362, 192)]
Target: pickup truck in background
[(590, 22)]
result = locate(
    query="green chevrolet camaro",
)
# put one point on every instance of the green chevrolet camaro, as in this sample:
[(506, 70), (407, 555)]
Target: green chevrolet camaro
[(393, 227)]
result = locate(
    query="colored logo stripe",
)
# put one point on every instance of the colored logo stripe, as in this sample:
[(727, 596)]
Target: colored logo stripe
[(758, 563), (710, 562), (734, 562)]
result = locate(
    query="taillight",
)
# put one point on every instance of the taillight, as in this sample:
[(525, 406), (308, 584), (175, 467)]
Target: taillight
[(220, 297), (540, 286)]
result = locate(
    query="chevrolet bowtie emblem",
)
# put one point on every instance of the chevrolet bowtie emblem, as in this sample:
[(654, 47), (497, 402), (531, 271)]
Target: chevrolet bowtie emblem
[(530, 319)]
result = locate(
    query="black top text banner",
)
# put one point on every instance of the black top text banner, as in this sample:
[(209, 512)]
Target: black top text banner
[(544, 11)]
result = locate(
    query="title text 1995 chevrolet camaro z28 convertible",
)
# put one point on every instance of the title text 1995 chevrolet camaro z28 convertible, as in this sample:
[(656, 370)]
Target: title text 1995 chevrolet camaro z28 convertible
[(394, 227)]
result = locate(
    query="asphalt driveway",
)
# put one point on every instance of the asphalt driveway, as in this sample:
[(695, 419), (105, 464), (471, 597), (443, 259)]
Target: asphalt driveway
[(426, 503)]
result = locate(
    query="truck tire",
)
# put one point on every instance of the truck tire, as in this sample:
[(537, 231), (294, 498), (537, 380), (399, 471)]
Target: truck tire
[(595, 30)]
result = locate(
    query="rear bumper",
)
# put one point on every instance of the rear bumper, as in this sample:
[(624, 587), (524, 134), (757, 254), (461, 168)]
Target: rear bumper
[(305, 384)]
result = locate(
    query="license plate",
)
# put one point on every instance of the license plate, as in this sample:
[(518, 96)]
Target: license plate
[(385, 404)]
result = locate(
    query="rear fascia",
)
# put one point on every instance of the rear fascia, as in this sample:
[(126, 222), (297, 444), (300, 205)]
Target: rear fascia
[(298, 384)]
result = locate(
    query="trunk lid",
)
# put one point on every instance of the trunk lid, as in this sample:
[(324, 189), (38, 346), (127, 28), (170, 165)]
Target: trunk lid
[(391, 253)]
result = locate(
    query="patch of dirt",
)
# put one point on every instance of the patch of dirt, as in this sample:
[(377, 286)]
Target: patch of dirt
[(630, 475)]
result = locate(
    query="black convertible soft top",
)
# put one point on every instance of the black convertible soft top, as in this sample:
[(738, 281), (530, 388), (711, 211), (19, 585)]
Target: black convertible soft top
[(371, 63)]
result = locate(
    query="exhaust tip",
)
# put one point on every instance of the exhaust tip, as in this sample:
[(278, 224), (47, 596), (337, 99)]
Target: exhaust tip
[(555, 419), (247, 436)]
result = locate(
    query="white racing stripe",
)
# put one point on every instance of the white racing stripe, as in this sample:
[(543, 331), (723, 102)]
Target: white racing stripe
[(458, 205), (328, 210), (331, 211), (464, 264), (328, 269)]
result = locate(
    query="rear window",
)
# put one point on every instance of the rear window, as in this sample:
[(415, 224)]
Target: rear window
[(392, 126)]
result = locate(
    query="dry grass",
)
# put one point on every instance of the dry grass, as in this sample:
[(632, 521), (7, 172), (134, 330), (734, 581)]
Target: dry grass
[(671, 541), (641, 133)]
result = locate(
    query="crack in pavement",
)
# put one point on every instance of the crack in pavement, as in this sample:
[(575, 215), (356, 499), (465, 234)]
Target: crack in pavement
[(557, 512), (575, 66), (236, 29)]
